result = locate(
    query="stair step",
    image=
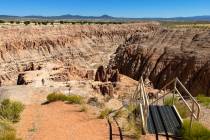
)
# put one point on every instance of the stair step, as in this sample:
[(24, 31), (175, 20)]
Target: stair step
[(163, 120), (156, 120)]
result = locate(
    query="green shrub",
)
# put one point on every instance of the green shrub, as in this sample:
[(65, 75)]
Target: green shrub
[(105, 113), (204, 100), (181, 108), (12, 22), (72, 99), (17, 22), (61, 22), (169, 101), (27, 22), (11, 110), (119, 114), (56, 97), (2, 21), (7, 132), (45, 22), (197, 132)]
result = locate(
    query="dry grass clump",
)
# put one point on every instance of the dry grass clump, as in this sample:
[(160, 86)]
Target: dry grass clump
[(104, 114), (11, 110), (7, 132), (9, 114), (204, 100), (197, 132), (181, 108), (71, 99)]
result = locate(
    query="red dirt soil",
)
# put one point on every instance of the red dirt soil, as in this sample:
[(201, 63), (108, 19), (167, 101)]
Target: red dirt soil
[(60, 121)]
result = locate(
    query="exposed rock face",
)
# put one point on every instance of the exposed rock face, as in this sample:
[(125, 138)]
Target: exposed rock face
[(82, 45), (90, 74), (30, 67), (107, 89), (164, 54), (142, 49), (101, 74), (108, 77), (113, 75)]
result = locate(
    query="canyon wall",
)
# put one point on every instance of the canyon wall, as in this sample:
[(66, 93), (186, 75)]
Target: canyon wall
[(164, 54), (82, 45), (140, 49)]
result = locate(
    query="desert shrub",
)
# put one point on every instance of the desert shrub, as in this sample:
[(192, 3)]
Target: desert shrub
[(7, 132), (17, 22), (119, 114), (74, 99), (197, 132), (61, 22), (71, 99), (204, 100), (56, 97), (11, 110), (2, 21), (45, 22), (12, 22), (131, 125), (26, 22), (132, 129), (105, 113)]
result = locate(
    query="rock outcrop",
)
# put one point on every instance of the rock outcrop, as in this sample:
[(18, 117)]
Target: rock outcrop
[(101, 74), (21, 79), (164, 54)]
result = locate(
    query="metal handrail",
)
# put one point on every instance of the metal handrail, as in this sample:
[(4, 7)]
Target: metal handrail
[(176, 82), (140, 98)]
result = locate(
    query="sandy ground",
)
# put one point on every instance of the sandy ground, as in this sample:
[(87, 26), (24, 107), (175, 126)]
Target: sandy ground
[(60, 121)]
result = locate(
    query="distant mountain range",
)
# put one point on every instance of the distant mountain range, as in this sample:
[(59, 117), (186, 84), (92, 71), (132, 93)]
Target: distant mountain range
[(103, 17)]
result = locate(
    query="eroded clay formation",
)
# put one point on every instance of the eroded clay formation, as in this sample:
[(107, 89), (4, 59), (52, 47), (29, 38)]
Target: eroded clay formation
[(136, 49)]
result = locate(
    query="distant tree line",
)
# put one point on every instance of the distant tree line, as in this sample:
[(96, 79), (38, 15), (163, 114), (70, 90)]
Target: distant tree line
[(36, 22), (90, 22)]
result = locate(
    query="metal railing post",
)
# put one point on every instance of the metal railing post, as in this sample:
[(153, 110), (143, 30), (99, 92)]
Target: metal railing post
[(174, 91), (191, 118)]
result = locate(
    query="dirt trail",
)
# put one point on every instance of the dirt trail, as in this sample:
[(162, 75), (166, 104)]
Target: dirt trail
[(59, 121)]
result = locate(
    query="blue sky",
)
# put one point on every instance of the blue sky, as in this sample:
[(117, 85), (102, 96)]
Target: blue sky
[(119, 8)]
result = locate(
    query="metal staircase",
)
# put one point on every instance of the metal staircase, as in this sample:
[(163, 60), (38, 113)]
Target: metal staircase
[(157, 118)]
